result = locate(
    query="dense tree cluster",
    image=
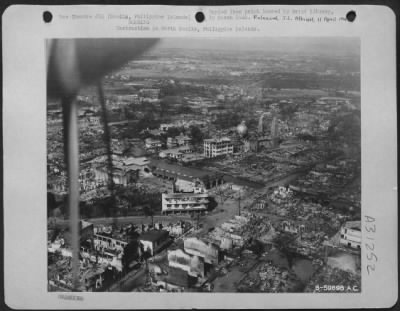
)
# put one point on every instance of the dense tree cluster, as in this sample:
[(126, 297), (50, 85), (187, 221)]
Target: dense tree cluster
[(126, 201), (287, 110), (131, 253), (227, 120), (196, 134), (346, 127)]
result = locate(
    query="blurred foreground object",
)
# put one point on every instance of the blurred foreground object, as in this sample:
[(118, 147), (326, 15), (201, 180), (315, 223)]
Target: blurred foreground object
[(71, 65), (74, 63)]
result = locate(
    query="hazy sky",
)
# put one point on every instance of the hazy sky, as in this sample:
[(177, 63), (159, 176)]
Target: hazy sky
[(330, 45)]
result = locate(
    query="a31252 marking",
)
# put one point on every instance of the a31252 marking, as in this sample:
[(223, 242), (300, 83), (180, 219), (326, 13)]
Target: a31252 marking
[(370, 229)]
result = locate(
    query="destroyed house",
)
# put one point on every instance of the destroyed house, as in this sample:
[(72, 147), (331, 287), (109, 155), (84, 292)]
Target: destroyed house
[(154, 240), (174, 171)]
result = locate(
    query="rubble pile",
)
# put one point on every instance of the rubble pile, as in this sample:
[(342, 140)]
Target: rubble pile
[(329, 177), (283, 154), (237, 231), (338, 280), (91, 275), (284, 197), (178, 229), (267, 278)]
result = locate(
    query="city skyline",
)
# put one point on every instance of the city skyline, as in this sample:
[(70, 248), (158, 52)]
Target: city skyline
[(330, 45)]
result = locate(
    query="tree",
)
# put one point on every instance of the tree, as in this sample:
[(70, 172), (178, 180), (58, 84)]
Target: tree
[(168, 102), (196, 134), (146, 253), (257, 247), (347, 126), (287, 110), (133, 234), (148, 121), (185, 108), (55, 234), (169, 90), (227, 120), (283, 243), (305, 137), (131, 253), (173, 131), (212, 204)]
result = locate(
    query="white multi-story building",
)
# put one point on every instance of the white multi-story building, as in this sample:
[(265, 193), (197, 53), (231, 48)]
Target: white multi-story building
[(152, 143), (105, 242), (184, 202), (183, 140), (215, 147), (350, 234)]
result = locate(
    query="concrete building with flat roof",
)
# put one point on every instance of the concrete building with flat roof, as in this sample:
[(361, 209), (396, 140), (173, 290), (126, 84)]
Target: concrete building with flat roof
[(215, 147), (350, 234), (190, 203)]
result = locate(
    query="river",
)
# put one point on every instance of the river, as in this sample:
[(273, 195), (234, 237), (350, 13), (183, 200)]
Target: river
[(344, 261), (301, 266), (303, 269)]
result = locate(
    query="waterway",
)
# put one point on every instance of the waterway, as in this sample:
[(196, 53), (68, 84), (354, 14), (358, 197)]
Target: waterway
[(303, 269), (301, 266), (344, 261)]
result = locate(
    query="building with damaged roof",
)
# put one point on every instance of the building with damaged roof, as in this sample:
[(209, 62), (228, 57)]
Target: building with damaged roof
[(174, 171), (350, 234)]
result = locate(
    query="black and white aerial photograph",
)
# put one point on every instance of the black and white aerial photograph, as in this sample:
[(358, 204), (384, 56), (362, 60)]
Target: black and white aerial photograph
[(214, 165)]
